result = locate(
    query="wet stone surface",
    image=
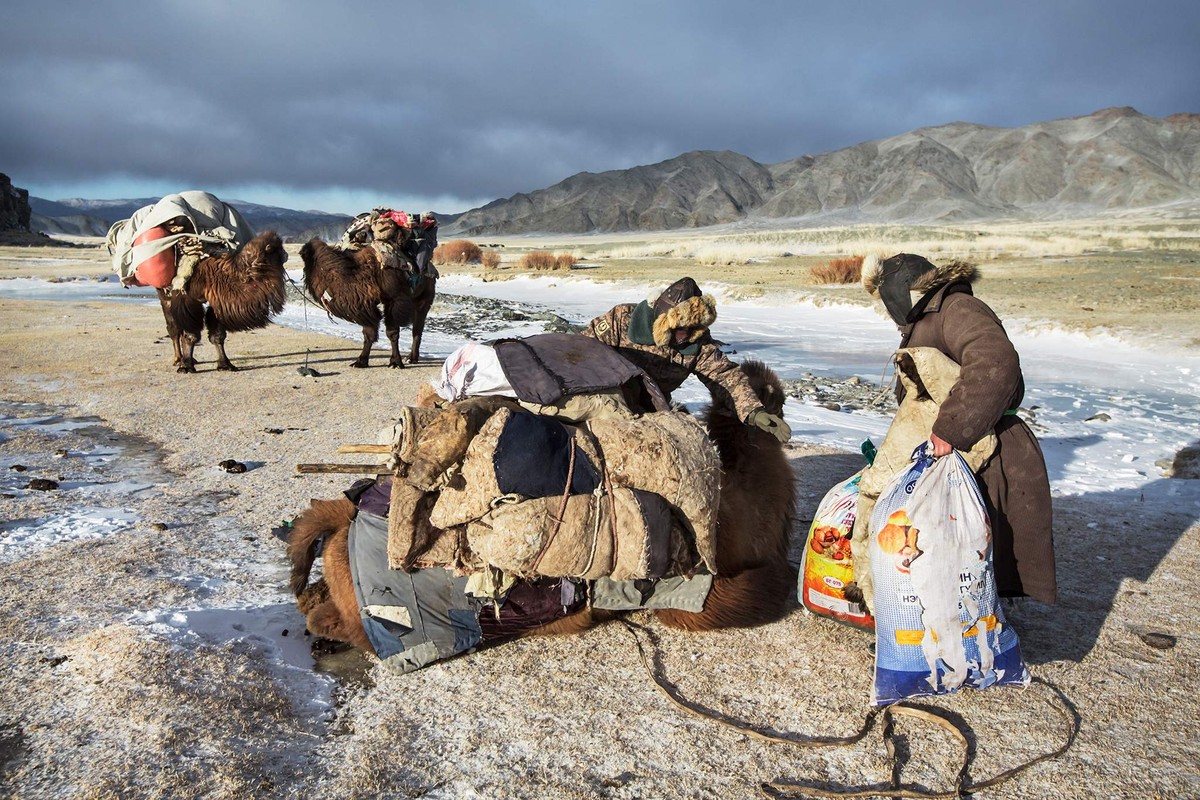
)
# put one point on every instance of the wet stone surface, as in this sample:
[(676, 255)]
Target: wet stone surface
[(849, 394), (476, 318)]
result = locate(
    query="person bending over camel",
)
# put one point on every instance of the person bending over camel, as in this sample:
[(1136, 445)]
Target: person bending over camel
[(935, 307), (668, 338)]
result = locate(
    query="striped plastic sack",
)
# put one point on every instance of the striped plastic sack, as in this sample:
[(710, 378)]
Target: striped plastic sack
[(938, 622)]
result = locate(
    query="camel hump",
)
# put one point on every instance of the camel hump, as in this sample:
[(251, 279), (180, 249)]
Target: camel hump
[(308, 251)]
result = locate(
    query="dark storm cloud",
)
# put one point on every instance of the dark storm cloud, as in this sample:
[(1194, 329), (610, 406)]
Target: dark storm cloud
[(471, 101)]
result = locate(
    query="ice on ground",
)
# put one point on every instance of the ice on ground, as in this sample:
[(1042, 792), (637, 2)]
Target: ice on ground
[(19, 538), (1104, 409), (275, 631)]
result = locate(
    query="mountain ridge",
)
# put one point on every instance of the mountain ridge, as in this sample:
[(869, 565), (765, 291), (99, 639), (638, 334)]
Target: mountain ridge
[(1111, 159)]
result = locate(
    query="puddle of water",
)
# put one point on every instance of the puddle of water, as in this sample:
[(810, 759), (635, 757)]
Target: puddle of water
[(97, 460), (346, 664)]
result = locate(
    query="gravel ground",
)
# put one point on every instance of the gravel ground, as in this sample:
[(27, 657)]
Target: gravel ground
[(94, 703)]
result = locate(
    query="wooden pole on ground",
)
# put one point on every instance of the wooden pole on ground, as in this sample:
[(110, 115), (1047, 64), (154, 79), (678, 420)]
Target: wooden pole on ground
[(351, 469)]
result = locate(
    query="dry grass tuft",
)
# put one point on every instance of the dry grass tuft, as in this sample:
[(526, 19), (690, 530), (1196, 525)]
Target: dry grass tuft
[(838, 270), (490, 259), (539, 260), (458, 251)]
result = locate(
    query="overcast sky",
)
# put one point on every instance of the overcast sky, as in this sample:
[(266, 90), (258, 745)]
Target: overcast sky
[(343, 106)]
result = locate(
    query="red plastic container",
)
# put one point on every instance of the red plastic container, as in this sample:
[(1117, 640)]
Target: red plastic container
[(158, 270)]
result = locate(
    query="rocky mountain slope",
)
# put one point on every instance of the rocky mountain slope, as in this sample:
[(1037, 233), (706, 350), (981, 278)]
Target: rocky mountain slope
[(1113, 159), (15, 213), (14, 206)]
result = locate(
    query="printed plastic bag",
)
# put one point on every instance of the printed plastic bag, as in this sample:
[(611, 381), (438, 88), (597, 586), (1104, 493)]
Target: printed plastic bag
[(826, 566), (938, 623)]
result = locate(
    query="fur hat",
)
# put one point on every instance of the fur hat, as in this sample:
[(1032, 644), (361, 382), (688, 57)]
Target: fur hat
[(870, 274), (930, 277), (902, 280), (683, 305)]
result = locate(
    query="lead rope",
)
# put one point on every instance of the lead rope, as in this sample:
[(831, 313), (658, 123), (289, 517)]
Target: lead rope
[(797, 789), (304, 304), (889, 387)]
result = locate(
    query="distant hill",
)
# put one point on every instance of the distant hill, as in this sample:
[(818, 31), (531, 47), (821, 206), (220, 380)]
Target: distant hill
[(1113, 159), (80, 217)]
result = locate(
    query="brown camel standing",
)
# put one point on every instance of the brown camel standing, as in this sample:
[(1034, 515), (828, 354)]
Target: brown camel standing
[(227, 292), (373, 283), (753, 580)]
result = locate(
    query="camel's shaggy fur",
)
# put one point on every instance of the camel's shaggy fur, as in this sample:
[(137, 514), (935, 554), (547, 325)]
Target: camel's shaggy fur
[(228, 292), (329, 604), (353, 285), (753, 580)]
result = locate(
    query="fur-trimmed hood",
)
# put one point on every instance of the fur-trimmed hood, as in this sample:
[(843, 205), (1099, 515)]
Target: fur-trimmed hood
[(933, 278), (698, 313)]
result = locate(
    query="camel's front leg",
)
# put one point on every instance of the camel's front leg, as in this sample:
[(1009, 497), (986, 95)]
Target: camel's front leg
[(418, 327), (395, 362), (393, 320), (172, 327), (216, 335)]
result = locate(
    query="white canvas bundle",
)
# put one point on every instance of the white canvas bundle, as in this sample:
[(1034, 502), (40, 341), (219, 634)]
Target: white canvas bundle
[(472, 370)]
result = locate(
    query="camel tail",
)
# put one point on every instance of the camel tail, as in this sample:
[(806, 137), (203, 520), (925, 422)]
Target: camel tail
[(322, 518)]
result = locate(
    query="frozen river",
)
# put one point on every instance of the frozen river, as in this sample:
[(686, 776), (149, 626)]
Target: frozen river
[(1104, 409)]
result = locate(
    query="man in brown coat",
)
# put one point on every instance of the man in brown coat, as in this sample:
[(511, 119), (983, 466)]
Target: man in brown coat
[(934, 307), (669, 339)]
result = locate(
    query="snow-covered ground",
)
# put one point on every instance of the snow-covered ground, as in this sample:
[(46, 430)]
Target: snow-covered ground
[(1104, 409)]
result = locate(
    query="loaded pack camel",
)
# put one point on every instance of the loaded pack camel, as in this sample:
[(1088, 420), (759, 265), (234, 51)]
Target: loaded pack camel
[(753, 580), (228, 292), (376, 282)]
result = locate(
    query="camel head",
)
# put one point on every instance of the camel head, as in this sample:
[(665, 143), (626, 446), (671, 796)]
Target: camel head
[(766, 385), (264, 253)]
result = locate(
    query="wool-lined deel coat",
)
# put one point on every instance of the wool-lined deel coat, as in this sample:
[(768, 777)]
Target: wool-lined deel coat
[(1014, 480)]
